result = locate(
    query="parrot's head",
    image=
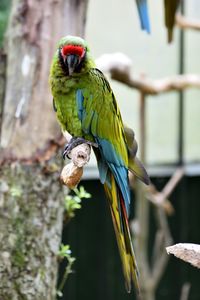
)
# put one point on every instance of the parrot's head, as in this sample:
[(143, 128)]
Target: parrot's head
[(72, 53)]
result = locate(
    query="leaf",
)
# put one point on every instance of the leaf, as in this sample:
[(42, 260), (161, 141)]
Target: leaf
[(64, 251), (81, 193)]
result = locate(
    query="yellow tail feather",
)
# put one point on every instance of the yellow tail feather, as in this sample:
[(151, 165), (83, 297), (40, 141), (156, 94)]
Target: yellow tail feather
[(122, 232)]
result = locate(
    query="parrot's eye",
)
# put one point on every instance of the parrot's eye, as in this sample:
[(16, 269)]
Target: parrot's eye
[(73, 49)]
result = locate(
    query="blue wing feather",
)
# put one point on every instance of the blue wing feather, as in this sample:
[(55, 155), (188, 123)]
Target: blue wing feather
[(116, 165), (121, 174), (79, 103), (103, 171), (109, 157)]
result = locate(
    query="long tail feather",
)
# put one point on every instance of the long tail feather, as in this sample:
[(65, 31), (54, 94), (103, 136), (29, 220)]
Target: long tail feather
[(120, 222), (143, 14), (170, 11)]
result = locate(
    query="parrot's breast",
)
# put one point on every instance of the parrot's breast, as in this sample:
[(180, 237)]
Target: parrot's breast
[(64, 90)]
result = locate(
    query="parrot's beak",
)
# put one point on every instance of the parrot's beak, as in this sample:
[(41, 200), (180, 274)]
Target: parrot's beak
[(72, 62)]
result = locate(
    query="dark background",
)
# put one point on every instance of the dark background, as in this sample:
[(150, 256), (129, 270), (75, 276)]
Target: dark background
[(97, 270)]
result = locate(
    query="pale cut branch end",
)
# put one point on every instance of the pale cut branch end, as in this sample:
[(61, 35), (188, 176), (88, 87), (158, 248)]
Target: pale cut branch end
[(71, 173), (187, 252)]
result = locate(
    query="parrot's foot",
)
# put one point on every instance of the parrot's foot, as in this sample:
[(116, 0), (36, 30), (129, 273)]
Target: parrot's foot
[(74, 142)]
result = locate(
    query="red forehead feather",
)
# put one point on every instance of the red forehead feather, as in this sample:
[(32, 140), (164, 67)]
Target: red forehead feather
[(73, 49)]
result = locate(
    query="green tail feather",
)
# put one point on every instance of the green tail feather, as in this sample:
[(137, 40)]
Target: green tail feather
[(137, 168), (134, 165)]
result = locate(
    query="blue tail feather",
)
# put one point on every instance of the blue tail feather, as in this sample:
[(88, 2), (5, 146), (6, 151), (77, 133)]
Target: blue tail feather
[(114, 162), (143, 14), (121, 177)]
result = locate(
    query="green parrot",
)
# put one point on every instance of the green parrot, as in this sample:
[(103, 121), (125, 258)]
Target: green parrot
[(86, 108)]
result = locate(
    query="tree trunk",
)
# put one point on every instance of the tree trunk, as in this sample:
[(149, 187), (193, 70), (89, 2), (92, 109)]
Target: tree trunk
[(31, 196), (31, 222)]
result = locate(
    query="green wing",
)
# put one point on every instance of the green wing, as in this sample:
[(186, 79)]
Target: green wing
[(100, 115), (101, 118)]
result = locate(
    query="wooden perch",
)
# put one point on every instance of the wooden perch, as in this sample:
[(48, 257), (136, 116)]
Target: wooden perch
[(187, 252), (187, 23), (71, 173), (119, 67)]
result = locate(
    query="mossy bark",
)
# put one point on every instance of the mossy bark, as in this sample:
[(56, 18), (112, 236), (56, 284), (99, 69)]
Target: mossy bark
[(31, 216)]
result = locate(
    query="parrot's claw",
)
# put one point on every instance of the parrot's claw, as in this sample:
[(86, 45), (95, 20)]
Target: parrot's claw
[(74, 142)]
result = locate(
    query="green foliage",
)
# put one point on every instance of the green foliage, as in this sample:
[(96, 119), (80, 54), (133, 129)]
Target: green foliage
[(65, 253), (73, 202), (4, 13)]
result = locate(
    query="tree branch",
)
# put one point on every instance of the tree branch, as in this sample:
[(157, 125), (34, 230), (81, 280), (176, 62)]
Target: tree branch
[(185, 291), (160, 198), (187, 23), (160, 259), (119, 66)]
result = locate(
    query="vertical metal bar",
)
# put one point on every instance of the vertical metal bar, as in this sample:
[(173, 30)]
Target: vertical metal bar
[(184, 204), (181, 95)]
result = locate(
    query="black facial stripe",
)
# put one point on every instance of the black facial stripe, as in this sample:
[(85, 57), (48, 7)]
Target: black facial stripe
[(62, 63), (81, 64)]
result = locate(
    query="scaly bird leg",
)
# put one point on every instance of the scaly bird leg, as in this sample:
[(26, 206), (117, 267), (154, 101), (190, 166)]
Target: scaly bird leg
[(74, 142)]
